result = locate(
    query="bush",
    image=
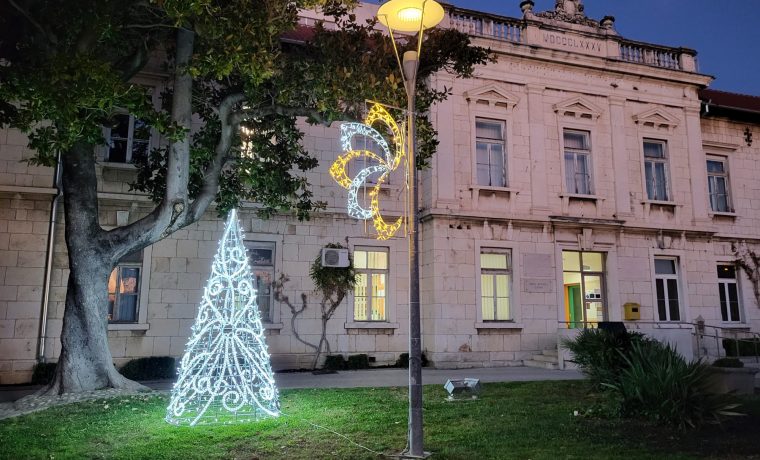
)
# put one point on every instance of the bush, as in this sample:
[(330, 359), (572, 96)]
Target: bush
[(600, 354), (358, 362), (153, 368), (745, 347), (43, 373), (657, 383), (335, 363), (403, 360), (728, 362)]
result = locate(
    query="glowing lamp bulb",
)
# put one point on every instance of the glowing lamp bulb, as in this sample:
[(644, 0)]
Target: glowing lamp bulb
[(410, 14)]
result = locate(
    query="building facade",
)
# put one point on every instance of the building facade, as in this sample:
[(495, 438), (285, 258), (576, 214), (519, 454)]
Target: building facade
[(584, 177)]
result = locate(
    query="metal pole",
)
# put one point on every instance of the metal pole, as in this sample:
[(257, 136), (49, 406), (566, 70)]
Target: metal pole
[(415, 335)]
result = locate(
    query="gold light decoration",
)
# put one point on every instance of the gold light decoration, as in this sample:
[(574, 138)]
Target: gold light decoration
[(385, 165)]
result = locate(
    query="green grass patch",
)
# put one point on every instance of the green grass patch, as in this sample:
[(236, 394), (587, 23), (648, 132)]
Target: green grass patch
[(511, 420)]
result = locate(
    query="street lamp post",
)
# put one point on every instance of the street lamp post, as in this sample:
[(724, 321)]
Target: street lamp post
[(412, 16)]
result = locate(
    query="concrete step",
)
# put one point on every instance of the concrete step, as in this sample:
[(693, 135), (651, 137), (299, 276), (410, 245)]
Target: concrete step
[(540, 364), (545, 359), (550, 352)]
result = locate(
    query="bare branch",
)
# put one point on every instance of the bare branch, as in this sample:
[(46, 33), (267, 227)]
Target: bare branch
[(52, 38)]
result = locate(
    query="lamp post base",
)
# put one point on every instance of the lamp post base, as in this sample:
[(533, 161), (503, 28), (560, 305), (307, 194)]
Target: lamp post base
[(405, 455)]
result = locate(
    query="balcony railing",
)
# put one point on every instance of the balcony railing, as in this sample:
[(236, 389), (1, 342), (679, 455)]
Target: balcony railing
[(504, 29), (668, 58)]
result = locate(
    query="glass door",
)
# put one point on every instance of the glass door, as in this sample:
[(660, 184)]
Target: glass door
[(584, 288)]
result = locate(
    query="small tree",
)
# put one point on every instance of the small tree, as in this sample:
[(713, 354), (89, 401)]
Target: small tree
[(332, 285), (749, 261)]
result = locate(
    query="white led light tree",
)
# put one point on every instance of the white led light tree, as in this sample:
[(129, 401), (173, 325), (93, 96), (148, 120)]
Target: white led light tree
[(225, 375)]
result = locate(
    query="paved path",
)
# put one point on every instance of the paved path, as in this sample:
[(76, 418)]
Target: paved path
[(367, 378)]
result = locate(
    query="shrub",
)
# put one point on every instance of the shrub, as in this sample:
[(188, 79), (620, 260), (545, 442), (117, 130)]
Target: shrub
[(403, 360), (657, 383), (745, 347), (358, 362), (600, 354), (43, 373), (728, 362), (153, 368), (335, 362)]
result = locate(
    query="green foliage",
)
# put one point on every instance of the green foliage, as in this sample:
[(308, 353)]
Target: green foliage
[(742, 347), (335, 363), (403, 360), (355, 362), (660, 385), (333, 282), (728, 362), (43, 373), (601, 354), (153, 368)]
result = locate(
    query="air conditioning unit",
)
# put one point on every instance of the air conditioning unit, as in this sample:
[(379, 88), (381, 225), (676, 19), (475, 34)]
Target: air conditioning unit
[(333, 257)]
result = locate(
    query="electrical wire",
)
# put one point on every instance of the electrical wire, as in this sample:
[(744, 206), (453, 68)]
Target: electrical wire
[(337, 434)]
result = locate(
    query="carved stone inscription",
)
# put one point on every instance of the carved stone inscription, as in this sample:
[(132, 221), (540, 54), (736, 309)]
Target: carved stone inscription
[(538, 286), (569, 43)]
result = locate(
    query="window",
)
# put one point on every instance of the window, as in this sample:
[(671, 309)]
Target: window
[(656, 170), (666, 284), (728, 288), (124, 289), (261, 254), (490, 157), (128, 139), (370, 291), (578, 162), (495, 284), (717, 184)]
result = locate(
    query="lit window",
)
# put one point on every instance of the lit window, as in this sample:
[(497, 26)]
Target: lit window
[(370, 291), (656, 170), (578, 162), (124, 289), (495, 284), (490, 155), (666, 284), (128, 139), (261, 254), (717, 184), (728, 288)]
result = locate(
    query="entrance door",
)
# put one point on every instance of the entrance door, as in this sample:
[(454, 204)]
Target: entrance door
[(585, 293)]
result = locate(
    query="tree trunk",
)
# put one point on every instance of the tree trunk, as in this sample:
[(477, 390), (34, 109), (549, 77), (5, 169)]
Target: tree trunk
[(85, 362)]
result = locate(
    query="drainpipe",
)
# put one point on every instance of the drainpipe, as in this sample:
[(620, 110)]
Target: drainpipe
[(49, 261)]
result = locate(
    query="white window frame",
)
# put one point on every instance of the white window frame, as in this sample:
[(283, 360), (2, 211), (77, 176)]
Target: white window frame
[(515, 310), (576, 153), (370, 272), (664, 161), (142, 299), (723, 286), (496, 271), (679, 287), (726, 177), (129, 139), (490, 142), (251, 238), (267, 245)]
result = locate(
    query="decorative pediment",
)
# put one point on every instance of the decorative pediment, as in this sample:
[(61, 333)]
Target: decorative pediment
[(656, 118), (578, 107), (492, 95)]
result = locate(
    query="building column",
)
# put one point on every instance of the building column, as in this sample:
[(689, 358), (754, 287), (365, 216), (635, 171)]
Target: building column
[(619, 156), (537, 125), (697, 165), (444, 179)]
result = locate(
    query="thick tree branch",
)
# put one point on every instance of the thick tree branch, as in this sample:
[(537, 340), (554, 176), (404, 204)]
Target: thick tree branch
[(132, 64)]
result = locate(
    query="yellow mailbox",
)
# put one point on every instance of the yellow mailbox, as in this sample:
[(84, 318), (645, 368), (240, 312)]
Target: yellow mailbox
[(631, 311)]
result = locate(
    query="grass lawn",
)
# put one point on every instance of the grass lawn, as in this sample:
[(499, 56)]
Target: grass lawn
[(511, 420)]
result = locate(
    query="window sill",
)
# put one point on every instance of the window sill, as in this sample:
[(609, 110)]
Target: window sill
[(736, 326), (488, 188), (730, 214), (117, 165), (581, 196), (128, 326), (370, 325), (272, 326), (498, 325), (671, 204)]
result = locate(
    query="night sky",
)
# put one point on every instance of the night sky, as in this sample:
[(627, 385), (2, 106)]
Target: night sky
[(725, 33)]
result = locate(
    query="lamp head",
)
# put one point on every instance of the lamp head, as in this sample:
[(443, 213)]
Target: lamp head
[(405, 15)]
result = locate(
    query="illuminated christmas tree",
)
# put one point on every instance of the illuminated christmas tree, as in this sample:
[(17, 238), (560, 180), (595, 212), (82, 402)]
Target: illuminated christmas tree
[(225, 375)]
